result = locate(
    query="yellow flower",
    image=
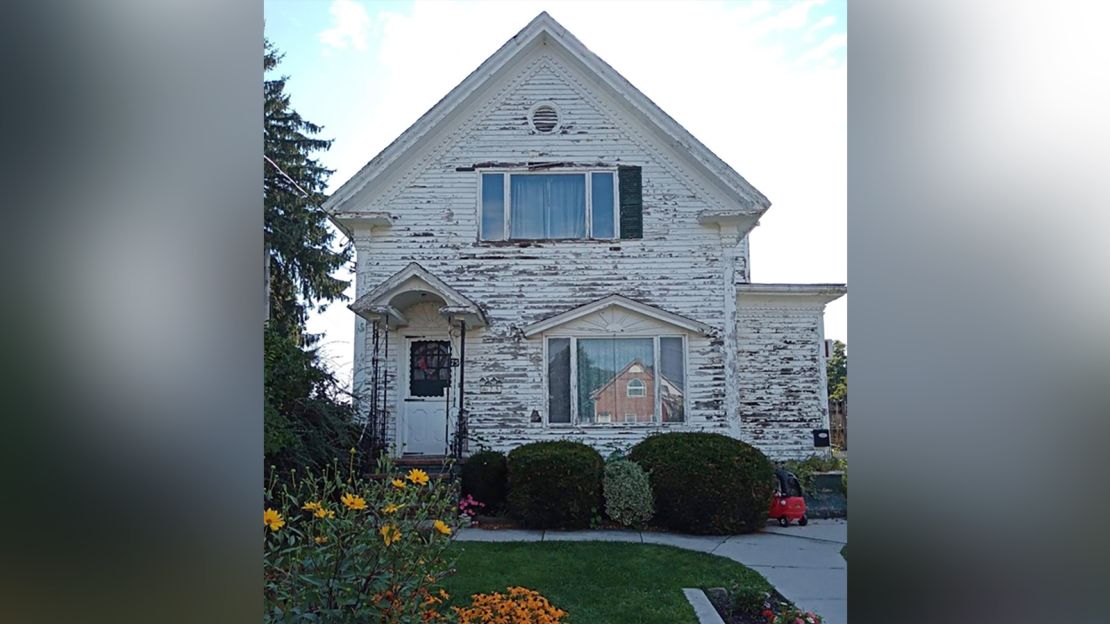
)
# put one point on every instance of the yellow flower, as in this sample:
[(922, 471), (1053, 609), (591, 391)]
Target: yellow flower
[(397, 483), (392, 507), (272, 519), (320, 539), (353, 502), (311, 506), (442, 527), (390, 534), (324, 513), (417, 476)]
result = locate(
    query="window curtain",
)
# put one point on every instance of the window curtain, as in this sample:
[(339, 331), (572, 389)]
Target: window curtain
[(672, 391), (548, 206), (558, 380), (605, 366)]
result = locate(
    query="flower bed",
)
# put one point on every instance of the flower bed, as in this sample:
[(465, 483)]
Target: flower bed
[(339, 547)]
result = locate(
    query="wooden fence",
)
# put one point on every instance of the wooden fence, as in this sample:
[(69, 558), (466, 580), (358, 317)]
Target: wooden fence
[(838, 424)]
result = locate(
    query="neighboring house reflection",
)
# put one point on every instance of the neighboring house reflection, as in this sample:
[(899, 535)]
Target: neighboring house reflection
[(629, 396)]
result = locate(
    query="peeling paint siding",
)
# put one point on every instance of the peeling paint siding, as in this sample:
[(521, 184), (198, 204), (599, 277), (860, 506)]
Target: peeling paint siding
[(782, 378), (679, 266)]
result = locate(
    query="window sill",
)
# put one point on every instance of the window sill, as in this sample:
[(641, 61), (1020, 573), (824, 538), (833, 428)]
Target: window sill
[(650, 425), (537, 242)]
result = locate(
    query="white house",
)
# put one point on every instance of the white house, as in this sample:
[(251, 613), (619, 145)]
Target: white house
[(540, 229)]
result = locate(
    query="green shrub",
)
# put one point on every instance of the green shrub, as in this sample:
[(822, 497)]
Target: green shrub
[(554, 485), (706, 483), (805, 469), (627, 493), (485, 477)]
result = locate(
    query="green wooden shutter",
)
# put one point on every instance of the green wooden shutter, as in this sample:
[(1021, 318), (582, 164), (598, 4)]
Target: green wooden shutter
[(632, 202)]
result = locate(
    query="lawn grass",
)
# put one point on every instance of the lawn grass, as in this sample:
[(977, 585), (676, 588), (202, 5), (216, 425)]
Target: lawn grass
[(597, 582)]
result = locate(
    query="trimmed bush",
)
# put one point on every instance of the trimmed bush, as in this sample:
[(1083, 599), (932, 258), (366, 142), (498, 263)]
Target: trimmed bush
[(627, 493), (554, 485), (485, 476), (706, 483)]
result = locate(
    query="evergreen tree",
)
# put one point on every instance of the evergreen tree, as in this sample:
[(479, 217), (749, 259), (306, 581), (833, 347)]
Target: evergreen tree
[(303, 256), (307, 422)]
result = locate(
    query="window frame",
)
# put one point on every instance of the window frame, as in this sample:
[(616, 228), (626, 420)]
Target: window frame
[(657, 396), (507, 199), (640, 385)]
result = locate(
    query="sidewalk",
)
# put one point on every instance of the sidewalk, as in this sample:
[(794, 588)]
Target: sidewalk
[(803, 563)]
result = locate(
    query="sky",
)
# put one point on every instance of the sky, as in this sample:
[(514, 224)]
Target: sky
[(762, 84)]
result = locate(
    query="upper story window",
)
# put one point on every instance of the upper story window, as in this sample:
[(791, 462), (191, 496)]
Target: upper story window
[(538, 206)]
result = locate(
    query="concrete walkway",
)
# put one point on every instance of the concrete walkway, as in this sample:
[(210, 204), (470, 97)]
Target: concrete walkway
[(803, 563)]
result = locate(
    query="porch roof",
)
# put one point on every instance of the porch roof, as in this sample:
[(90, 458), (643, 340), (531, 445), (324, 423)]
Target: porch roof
[(415, 284)]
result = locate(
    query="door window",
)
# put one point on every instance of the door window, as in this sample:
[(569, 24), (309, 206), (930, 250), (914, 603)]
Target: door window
[(429, 367)]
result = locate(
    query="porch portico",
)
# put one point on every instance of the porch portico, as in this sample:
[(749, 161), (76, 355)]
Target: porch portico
[(424, 322)]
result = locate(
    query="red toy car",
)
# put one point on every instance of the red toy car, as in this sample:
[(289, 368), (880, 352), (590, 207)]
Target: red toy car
[(788, 502)]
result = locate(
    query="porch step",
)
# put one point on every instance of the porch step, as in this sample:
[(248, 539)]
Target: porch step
[(421, 461)]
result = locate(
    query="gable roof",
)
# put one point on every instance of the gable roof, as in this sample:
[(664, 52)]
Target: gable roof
[(619, 301), (744, 197), (415, 279)]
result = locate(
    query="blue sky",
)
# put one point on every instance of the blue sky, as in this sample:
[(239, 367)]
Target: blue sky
[(762, 84)]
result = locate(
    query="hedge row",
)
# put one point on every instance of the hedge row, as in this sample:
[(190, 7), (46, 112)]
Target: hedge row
[(702, 483)]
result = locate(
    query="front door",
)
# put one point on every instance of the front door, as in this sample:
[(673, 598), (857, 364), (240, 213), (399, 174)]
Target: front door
[(427, 388)]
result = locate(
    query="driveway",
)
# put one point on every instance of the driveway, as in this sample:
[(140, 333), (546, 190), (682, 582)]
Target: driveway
[(803, 563)]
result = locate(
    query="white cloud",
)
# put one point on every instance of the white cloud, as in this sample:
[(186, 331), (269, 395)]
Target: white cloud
[(821, 51), (821, 24), (350, 23)]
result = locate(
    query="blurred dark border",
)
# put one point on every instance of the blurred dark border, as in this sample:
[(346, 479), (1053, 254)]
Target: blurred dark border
[(132, 441), (979, 263), (132, 251)]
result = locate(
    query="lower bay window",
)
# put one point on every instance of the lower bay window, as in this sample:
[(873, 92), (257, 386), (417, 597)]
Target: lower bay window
[(591, 380)]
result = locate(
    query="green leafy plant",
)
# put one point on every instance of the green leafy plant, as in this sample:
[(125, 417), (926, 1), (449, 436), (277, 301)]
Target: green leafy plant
[(749, 600), (485, 476), (627, 492), (706, 483), (805, 469), (554, 485), (341, 548)]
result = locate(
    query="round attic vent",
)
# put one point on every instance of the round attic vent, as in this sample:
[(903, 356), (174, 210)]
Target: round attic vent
[(545, 118)]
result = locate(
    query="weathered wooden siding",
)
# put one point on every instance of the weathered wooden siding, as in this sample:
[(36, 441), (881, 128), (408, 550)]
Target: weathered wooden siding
[(678, 265), (782, 377)]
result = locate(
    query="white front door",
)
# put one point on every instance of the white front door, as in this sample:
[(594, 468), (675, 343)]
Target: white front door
[(427, 383)]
